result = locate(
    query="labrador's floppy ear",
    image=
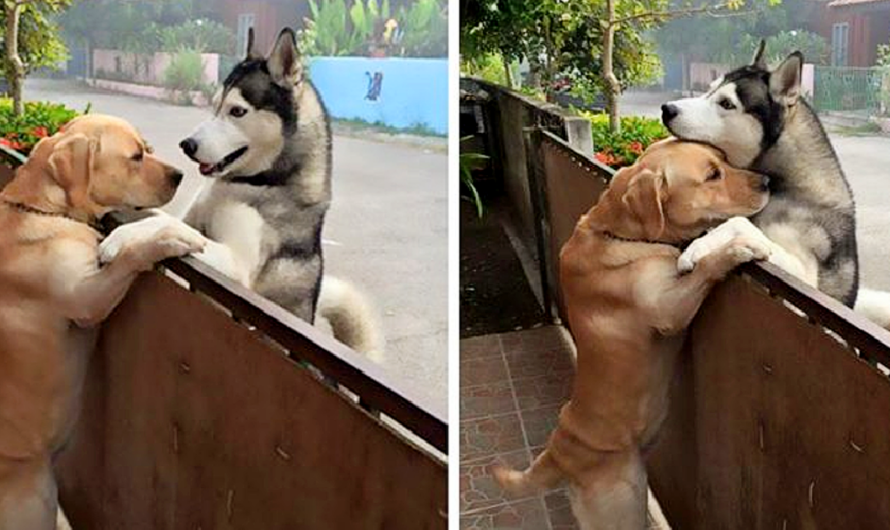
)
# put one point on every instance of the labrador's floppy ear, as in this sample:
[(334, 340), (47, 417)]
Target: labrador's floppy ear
[(643, 200), (71, 166), (284, 60), (784, 82), (759, 60)]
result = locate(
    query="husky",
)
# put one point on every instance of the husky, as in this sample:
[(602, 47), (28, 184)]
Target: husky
[(758, 118), (267, 150)]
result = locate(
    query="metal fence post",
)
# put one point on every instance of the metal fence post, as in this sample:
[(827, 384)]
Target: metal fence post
[(578, 134)]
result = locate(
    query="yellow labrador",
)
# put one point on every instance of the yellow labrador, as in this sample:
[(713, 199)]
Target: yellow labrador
[(51, 286), (629, 308)]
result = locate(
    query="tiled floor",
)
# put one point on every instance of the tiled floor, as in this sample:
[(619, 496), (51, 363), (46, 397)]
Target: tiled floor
[(511, 387)]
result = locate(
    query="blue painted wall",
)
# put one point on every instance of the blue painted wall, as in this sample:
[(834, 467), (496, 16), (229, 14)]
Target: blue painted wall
[(395, 91)]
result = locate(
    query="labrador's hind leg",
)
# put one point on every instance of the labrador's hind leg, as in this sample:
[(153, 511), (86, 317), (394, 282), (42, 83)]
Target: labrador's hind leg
[(616, 497), (28, 496)]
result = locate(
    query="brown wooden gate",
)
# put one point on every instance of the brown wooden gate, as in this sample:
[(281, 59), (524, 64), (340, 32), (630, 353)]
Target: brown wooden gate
[(200, 412)]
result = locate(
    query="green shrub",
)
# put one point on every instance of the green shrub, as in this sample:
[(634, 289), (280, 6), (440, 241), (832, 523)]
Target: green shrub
[(41, 119), (637, 133), (489, 67), (185, 71), (738, 51), (424, 29), (338, 27), (883, 55), (352, 27), (814, 47), (469, 161)]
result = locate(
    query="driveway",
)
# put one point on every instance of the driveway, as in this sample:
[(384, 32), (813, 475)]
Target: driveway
[(387, 230)]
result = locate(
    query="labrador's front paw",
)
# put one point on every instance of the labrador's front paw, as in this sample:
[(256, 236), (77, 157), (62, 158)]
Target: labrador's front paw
[(715, 240), (151, 240), (130, 234), (700, 249)]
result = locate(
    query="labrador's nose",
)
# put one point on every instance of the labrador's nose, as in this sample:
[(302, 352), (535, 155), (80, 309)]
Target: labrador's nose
[(669, 111), (189, 146)]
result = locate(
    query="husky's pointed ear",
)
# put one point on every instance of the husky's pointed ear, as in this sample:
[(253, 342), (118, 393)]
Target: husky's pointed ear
[(784, 82), (284, 60), (251, 40), (759, 60)]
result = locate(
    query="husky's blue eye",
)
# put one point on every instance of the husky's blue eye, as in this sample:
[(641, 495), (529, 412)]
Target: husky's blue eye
[(726, 104), (237, 111)]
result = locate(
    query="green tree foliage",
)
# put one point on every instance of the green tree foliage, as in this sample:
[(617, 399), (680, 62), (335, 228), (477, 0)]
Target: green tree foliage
[(883, 55), (201, 35), (600, 44), (30, 41), (146, 26), (560, 40), (731, 40), (39, 42)]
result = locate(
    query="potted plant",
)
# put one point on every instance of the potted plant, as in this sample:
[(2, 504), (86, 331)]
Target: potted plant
[(19, 134)]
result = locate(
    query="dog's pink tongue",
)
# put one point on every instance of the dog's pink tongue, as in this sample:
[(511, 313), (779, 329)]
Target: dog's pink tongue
[(205, 168)]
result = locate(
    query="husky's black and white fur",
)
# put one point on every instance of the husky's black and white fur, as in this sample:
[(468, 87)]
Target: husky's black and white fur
[(759, 119), (267, 149)]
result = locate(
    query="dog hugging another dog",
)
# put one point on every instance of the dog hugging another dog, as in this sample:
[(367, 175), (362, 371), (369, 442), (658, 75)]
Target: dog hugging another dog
[(638, 267), (59, 278)]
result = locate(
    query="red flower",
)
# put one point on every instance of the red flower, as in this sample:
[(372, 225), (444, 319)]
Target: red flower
[(608, 159), (40, 132), (6, 142), (636, 148)]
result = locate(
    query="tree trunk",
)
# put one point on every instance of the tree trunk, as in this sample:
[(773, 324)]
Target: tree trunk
[(16, 74), (534, 72), (549, 61), (508, 72), (610, 82)]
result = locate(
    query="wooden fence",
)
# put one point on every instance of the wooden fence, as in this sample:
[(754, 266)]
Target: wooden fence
[(780, 415), (200, 412)]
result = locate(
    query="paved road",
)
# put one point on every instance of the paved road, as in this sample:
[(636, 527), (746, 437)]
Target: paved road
[(387, 229), (866, 161)]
